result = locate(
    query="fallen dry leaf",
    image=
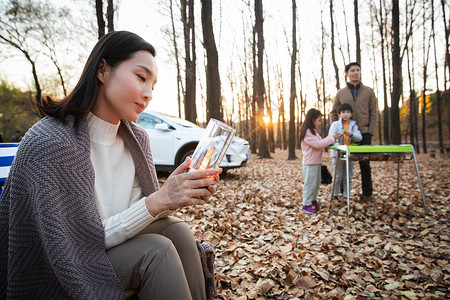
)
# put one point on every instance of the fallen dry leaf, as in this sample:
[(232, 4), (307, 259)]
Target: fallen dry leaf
[(266, 248)]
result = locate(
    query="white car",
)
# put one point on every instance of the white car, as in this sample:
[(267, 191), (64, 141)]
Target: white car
[(173, 139)]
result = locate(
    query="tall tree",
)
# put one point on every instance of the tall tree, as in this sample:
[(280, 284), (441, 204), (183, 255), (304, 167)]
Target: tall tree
[(259, 81), (438, 93), (20, 32), (374, 45), (412, 93), (100, 19), (247, 105), (425, 76), (17, 32), (254, 144), (281, 112), (381, 21), (269, 111), (110, 15), (333, 56), (213, 89), (180, 88), (447, 61), (293, 93), (358, 37), (322, 77), (301, 110), (447, 46), (397, 75), (187, 16), (346, 36)]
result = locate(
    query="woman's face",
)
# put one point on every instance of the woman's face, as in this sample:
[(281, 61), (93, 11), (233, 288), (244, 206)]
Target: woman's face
[(317, 122), (127, 89)]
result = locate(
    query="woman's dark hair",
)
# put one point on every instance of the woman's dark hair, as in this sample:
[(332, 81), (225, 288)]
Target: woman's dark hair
[(311, 116), (114, 47)]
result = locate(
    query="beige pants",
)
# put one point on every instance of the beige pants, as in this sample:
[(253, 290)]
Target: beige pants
[(162, 261)]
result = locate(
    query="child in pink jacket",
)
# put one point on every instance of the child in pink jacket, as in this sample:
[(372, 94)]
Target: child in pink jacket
[(312, 148)]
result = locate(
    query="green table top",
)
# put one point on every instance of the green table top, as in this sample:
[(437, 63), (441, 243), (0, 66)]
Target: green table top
[(375, 148)]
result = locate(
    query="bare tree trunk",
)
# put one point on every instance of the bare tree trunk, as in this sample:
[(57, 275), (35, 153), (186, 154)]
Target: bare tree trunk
[(373, 29), (259, 82), (281, 113), (447, 51), (447, 62), (346, 34), (254, 136), (424, 102), (270, 113), (213, 86), (110, 15), (412, 93), (293, 92), (279, 137), (302, 105), (177, 59), (381, 26), (322, 74), (100, 19), (438, 93), (333, 57), (358, 38), (397, 75), (247, 97), (414, 105), (190, 109)]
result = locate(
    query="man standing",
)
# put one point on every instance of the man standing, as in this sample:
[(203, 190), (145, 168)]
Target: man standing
[(365, 108)]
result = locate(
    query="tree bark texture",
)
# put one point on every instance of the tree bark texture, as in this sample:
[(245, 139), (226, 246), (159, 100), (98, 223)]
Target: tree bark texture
[(333, 56), (110, 15), (293, 93), (358, 37), (438, 93), (177, 59), (381, 26), (259, 81), (100, 19), (424, 101), (213, 89), (447, 62), (190, 108), (397, 75)]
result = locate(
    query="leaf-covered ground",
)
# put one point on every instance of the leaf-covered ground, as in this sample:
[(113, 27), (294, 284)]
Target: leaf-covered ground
[(266, 248)]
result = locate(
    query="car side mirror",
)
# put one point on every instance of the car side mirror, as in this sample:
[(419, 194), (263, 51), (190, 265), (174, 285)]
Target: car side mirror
[(162, 127)]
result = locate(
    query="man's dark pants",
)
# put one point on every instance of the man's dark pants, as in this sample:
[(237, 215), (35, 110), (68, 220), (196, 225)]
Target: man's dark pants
[(366, 175)]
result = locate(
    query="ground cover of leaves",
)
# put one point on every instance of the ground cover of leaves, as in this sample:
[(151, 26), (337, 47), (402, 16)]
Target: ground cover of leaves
[(266, 248)]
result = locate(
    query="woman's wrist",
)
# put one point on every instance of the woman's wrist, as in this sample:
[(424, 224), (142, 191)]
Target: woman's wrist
[(153, 204)]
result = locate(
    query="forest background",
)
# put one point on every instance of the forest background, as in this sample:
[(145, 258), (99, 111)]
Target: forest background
[(258, 65)]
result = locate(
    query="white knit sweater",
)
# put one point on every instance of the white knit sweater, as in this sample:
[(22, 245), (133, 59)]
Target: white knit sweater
[(118, 194)]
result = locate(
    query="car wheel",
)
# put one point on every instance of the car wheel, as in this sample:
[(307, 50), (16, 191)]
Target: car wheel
[(186, 154)]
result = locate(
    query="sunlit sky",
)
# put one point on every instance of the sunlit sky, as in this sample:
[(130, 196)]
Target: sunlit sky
[(140, 17), (148, 18)]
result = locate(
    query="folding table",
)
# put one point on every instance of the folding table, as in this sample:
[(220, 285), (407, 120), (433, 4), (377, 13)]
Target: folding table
[(395, 153)]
